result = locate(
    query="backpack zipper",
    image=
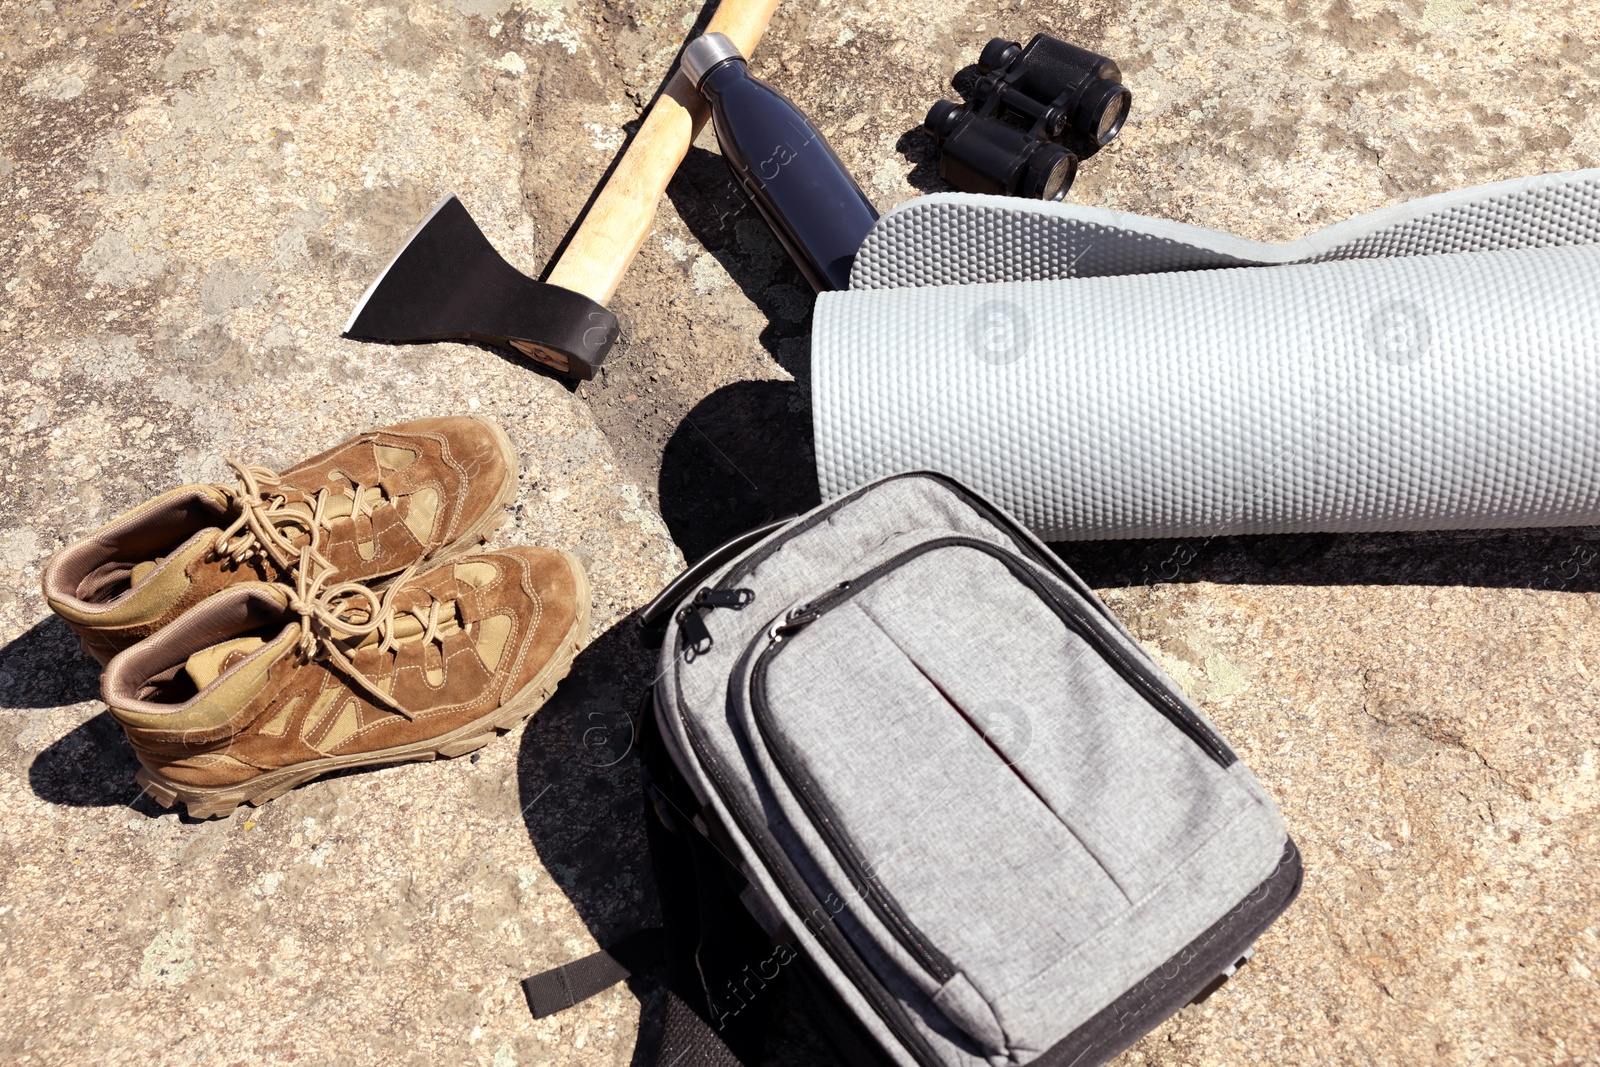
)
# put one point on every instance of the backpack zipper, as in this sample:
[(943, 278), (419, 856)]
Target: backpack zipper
[(888, 911), (1020, 537), (1138, 677), (696, 635)]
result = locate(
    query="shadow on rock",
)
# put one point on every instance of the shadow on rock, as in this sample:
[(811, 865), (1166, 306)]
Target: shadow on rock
[(46, 668), (733, 232), (91, 767), (580, 779), (579, 783), (740, 458), (580, 787), (919, 149), (1562, 559)]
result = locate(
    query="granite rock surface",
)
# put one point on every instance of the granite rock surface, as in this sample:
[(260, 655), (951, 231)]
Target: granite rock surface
[(197, 193)]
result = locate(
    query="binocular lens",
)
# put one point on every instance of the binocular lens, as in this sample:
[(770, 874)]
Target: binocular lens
[(1109, 113), (1058, 178), (1056, 187)]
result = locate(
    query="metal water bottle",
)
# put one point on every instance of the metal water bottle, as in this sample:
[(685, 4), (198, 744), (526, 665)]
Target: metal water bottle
[(782, 163)]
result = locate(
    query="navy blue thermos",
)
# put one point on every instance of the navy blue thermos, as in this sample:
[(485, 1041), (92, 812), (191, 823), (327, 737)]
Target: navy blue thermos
[(782, 163)]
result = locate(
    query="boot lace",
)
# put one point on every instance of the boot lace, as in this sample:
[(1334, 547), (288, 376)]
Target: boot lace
[(265, 514), (333, 616), (330, 615)]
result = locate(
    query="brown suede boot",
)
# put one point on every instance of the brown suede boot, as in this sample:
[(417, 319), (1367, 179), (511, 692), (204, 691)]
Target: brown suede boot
[(263, 686), (368, 507)]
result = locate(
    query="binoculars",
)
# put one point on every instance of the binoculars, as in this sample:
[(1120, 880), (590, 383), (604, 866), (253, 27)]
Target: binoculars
[(1011, 137)]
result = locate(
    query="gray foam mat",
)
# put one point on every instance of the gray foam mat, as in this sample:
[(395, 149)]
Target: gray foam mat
[(1433, 366)]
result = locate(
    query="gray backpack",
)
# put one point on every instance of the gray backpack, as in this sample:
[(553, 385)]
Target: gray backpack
[(950, 789)]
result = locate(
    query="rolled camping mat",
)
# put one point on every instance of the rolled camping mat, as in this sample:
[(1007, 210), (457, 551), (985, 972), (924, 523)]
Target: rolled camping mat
[(1435, 366)]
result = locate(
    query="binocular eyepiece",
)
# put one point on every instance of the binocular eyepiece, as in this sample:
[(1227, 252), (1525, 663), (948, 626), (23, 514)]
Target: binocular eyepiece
[(1009, 138)]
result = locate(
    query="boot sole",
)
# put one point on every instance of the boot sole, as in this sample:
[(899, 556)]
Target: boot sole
[(220, 801)]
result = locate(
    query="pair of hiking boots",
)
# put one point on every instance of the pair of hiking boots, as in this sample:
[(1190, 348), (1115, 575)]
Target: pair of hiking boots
[(329, 616)]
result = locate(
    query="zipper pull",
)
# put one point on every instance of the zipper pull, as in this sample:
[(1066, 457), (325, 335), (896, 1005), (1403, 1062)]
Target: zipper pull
[(724, 598), (696, 635), (805, 614)]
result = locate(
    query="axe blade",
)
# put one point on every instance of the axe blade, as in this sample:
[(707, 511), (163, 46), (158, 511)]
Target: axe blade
[(448, 283)]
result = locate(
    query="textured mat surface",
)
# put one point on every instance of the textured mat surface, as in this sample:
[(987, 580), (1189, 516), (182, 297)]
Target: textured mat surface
[(957, 239), (1441, 391)]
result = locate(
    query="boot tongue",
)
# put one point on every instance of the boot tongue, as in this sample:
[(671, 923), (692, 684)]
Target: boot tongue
[(142, 570), (342, 505), (209, 664), (298, 506), (410, 625), (337, 506)]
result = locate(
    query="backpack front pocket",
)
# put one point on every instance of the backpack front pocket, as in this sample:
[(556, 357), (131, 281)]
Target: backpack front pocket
[(992, 777)]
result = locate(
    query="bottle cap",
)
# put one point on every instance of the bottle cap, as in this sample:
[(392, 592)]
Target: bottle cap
[(705, 52)]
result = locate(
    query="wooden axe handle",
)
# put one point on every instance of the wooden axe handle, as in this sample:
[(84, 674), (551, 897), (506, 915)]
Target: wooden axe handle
[(621, 216)]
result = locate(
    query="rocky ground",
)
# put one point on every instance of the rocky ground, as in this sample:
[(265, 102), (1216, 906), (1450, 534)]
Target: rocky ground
[(198, 192)]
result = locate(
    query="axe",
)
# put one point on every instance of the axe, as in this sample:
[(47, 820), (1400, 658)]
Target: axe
[(448, 283)]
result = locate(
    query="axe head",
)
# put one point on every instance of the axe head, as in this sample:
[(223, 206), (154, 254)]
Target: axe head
[(448, 283)]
